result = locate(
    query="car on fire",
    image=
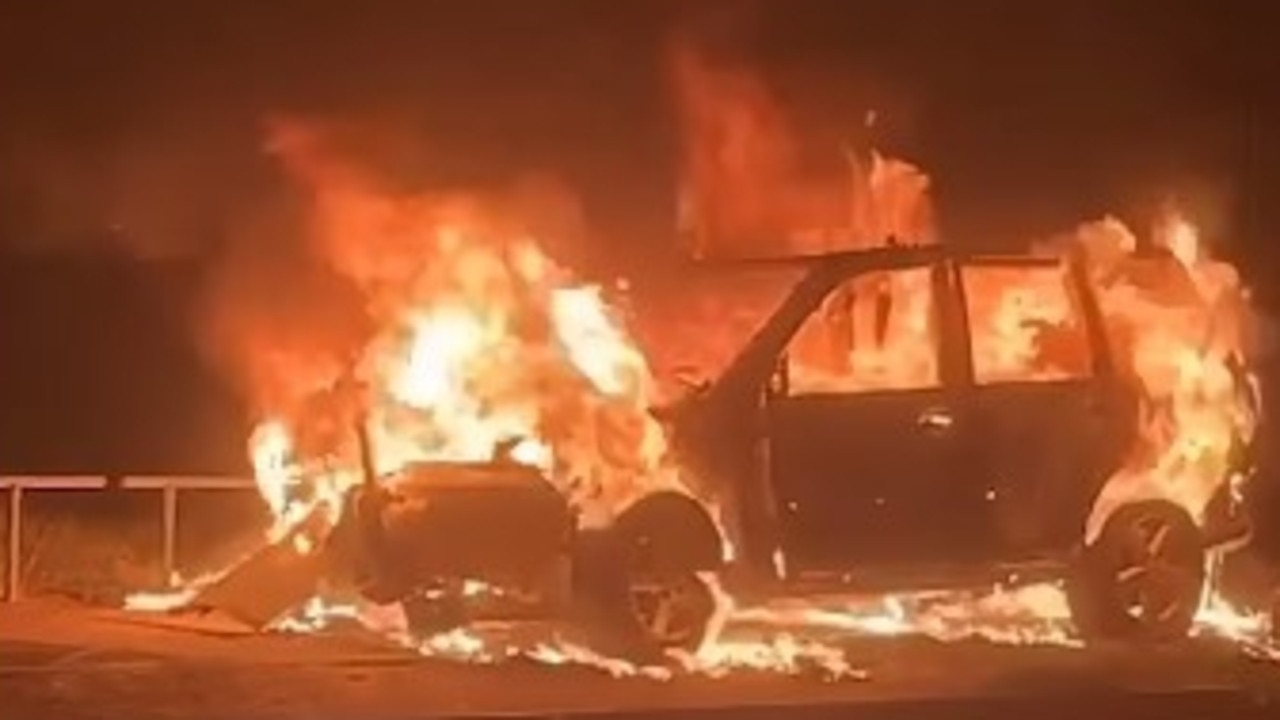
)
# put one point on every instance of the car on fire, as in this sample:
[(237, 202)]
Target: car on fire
[(894, 423)]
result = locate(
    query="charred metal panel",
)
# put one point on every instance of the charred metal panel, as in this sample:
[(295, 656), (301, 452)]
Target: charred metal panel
[(1045, 450), (271, 582), (866, 478), (485, 521), (959, 474)]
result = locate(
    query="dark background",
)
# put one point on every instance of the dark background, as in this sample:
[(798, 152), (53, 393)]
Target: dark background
[(130, 151)]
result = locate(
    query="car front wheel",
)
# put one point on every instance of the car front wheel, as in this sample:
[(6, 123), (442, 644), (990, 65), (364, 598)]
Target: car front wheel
[(636, 614), (1142, 577)]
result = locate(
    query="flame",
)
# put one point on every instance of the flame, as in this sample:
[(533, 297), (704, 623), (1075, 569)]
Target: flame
[(1180, 330), (180, 593), (431, 378), (752, 188), (849, 346), (1009, 307), (160, 601), (480, 342)]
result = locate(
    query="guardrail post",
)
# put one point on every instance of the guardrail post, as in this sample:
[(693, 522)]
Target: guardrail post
[(169, 487), (13, 565), (170, 531)]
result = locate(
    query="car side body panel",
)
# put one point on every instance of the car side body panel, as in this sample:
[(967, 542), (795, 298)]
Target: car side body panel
[(953, 476)]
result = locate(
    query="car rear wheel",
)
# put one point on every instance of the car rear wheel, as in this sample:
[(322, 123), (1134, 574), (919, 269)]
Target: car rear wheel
[(1143, 576), (632, 613), (674, 612)]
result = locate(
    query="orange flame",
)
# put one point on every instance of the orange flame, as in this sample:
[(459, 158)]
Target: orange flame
[(1181, 328), (752, 188), (480, 342)]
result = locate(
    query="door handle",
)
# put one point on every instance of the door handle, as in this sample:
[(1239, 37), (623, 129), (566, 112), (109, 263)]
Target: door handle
[(935, 420)]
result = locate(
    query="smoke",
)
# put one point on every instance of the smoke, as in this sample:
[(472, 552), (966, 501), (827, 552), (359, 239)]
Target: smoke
[(755, 183), (168, 188), (269, 300), (278, 311), (297, 291)]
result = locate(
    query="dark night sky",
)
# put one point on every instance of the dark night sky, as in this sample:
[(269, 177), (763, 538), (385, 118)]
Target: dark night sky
[(132, 130)]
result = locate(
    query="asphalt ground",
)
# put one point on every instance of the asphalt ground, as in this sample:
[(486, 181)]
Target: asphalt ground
[(59, 660)]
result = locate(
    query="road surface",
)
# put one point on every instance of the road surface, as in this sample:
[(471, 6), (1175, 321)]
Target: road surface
[(65, 661)]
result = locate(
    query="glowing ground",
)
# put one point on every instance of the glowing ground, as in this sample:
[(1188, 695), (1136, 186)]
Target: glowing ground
[(61, 660)]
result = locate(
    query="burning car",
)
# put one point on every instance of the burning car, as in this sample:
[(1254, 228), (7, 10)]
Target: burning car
[(907, 416), (914, 416)]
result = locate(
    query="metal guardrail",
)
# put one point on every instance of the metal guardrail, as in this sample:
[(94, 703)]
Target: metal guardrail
[(18, 485)]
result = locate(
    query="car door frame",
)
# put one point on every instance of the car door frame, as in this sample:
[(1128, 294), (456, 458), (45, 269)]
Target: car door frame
[(1100, 385), (954, 370)]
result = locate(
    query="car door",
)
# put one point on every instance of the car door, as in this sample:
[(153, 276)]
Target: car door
[(1043, 416), (863, 435)]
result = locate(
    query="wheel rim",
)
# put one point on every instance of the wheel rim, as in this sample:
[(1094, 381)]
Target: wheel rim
[(1154, 585), (672, 613)]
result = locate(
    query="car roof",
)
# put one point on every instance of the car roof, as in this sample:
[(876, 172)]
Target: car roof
[(890, 256)]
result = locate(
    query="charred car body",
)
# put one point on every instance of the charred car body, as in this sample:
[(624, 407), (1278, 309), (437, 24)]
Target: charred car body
[(929, 457), (934, 455), (941, 459), (455, 542)]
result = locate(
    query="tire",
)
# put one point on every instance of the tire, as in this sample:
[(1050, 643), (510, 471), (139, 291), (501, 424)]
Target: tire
[(1142, 578), (633, 614)]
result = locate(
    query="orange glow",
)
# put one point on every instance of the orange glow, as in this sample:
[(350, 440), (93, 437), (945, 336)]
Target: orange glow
[(752, 187), (876, 332), (1179, 328), (479, 342), (1012, 310)]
